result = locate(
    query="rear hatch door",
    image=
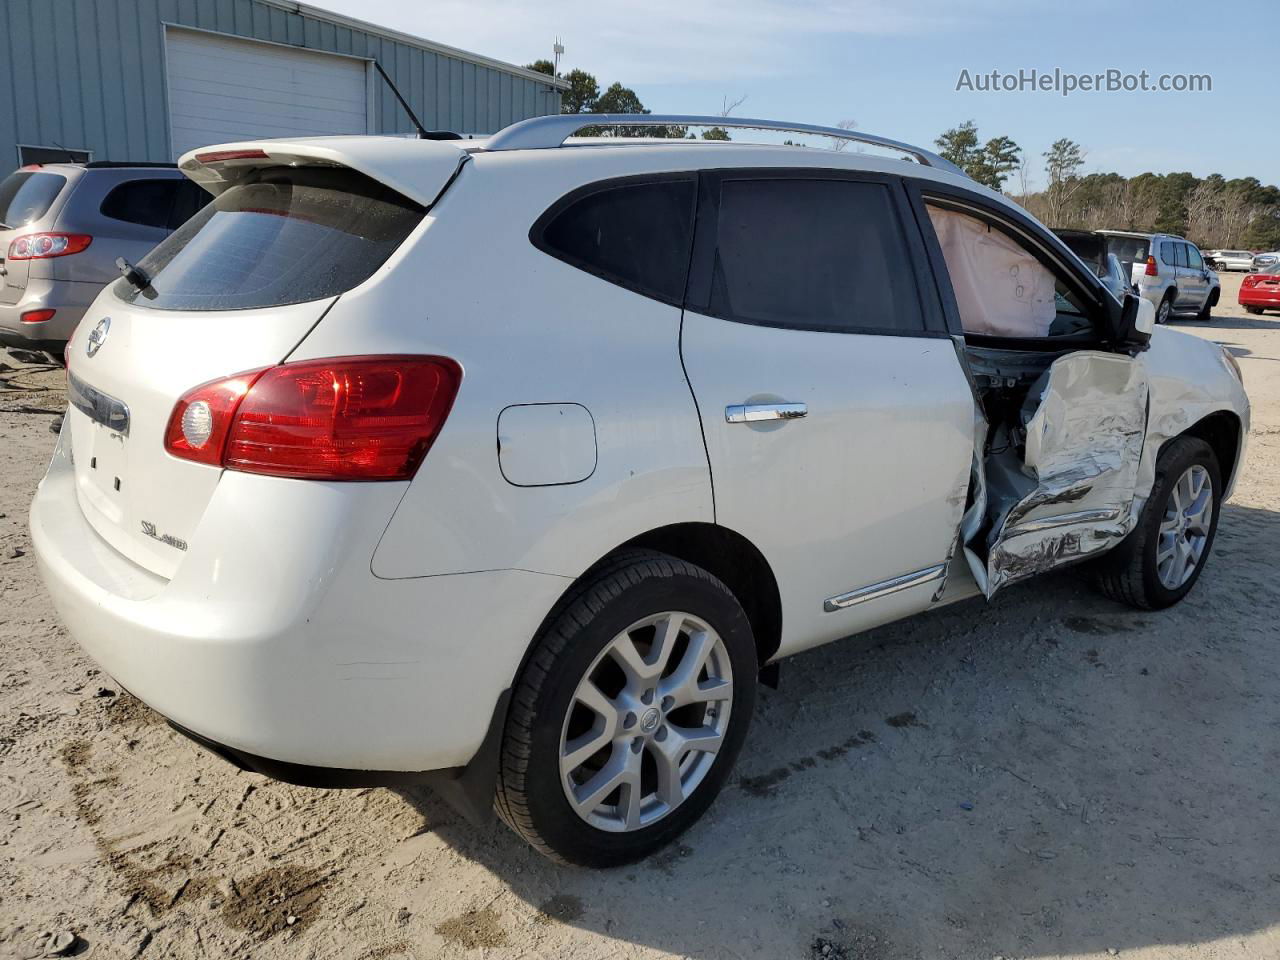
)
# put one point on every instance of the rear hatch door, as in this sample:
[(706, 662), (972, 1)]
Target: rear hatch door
[(28, 198), (233, 290)]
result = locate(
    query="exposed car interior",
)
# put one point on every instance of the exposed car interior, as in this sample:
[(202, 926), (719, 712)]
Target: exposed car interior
[(1021, 468)]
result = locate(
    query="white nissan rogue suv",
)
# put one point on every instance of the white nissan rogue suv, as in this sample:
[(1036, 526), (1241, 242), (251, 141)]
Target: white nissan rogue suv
[(511, 464)]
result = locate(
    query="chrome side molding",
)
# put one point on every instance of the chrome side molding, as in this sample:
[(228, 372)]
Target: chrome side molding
[(885, 587)]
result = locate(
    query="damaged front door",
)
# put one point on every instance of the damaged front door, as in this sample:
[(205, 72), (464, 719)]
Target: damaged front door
[(1070, 492)]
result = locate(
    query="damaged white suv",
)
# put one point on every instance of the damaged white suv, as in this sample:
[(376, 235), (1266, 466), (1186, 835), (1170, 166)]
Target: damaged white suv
[(510, 464)]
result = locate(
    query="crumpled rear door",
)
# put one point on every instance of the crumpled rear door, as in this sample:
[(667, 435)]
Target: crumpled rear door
[(1072, 494)]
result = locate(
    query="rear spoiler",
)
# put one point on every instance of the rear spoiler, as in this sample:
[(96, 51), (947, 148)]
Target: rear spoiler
[(417, 169)]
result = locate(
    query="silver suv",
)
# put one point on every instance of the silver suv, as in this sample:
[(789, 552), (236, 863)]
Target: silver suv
[(62, 226), (1173, 275)]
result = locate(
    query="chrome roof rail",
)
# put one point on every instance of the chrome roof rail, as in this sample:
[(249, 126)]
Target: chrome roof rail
[(542, 133)]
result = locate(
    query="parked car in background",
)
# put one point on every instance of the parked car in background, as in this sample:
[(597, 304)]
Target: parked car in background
[(62, 226), (1176, 280), (1092, 248), (1229, 259), (473, 463), (1263, 262), (1261, 291)]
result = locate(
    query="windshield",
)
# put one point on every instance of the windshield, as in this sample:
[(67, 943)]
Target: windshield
[(26, 196), (287, 235)]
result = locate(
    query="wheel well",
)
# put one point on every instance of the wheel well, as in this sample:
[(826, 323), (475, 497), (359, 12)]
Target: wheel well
[(737, 562), (1221, 431)]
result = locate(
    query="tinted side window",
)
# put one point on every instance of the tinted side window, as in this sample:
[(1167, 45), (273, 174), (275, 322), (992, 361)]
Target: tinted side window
[(188, 201), (813, 254), (1193, 258), (1168, 255), (144, 202), (1182, 254), (636, 235)]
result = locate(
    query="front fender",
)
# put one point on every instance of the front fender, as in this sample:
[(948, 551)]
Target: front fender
[(1190, 378)]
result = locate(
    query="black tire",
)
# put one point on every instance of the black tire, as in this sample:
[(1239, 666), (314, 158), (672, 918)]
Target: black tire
[(1128, 573), (530, 796), (1167, 306), (1206, 312), (1253, 310)]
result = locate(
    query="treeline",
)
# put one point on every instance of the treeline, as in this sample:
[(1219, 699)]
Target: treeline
[(1213, 212)]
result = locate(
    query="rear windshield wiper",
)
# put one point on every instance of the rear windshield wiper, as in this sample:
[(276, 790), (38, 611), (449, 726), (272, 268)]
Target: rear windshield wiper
[(136, 277)]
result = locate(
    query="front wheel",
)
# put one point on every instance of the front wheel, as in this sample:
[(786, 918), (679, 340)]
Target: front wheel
[(1162, 558), (629, 714), (1206, 312)]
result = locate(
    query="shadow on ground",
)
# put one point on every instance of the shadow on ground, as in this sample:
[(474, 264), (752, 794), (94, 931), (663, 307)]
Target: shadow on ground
[(1051, 773)]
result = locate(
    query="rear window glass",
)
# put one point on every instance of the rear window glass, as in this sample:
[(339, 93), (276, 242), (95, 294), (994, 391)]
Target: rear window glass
[(26, 196), (147, 203), (636, 235), (287, 235), (1129, 250)]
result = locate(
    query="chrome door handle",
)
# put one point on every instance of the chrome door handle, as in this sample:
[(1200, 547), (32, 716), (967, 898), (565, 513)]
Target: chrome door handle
[(755, 412)]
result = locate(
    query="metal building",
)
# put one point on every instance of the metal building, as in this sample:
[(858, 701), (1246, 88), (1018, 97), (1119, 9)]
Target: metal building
[(151, 79)]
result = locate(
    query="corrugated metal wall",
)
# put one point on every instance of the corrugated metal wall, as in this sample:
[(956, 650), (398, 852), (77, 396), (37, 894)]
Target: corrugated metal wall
[(89, 74)]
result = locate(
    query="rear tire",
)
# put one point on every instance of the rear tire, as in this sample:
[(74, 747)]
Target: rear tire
[(1141, 571), (649, 653), (1253, 310), (1165, 310)]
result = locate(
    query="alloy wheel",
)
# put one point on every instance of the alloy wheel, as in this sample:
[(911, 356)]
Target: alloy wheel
[(1184, 531), (646, 722)]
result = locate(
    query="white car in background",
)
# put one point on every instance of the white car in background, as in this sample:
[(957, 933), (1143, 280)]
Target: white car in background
[(1265, 262), (510, 464), (1229, 259)]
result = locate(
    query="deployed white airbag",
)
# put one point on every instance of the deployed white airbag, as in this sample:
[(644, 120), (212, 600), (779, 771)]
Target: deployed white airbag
[(1001, 290)]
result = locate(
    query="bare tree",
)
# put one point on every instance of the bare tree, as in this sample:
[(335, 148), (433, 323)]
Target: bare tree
[(727, 108), (836, 143), (1063, 162)]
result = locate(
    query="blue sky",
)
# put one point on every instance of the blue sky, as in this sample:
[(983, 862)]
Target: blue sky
[(892, 67)]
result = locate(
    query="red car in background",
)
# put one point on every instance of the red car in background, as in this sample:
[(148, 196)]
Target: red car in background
[(1261, 291)]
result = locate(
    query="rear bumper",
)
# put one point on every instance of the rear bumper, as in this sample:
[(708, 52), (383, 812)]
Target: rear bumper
[(68, 299), (1265, 299), (275, 640)]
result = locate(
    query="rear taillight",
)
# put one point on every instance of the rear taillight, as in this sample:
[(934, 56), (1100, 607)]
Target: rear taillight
[(1250, 281), (346, 418), (37, 316), (1152, 270), (42, 246)]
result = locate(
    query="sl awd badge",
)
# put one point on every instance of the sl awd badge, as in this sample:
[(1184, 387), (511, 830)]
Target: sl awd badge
[(168, 540), (98, 336)]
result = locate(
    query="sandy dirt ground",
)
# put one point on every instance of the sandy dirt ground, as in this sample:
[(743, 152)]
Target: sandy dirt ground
[(1049, 775)]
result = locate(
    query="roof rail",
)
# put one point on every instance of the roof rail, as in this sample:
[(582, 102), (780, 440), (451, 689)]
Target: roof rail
[(541, 133)]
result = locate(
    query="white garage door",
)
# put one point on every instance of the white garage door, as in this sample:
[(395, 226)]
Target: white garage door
[(225, 88)]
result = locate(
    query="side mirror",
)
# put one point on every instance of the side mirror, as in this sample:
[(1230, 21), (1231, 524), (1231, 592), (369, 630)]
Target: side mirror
[(1137, 321)]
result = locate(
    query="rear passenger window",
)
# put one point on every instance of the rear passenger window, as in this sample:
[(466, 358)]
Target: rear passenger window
[(634, 234), (814, 255), (189, 200), (145, 202), (1168, 256)]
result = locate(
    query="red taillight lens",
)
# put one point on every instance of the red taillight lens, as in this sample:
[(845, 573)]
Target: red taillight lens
[(202, 418), (37, 316), (1152, 270), (347, 418), (1251, 280), (43, 246), (221, 156)]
